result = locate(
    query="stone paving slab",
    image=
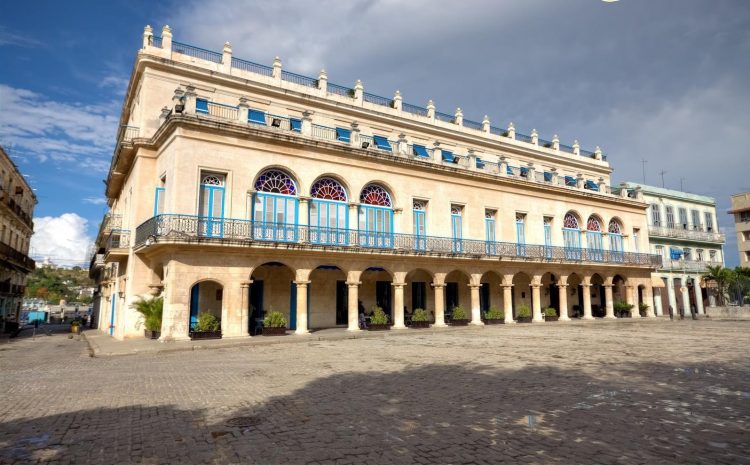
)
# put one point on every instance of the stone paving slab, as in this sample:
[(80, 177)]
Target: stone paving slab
[(616, 393)]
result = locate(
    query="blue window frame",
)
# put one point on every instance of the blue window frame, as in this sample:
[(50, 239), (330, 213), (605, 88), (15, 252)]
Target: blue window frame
[(256, 116), (375, 226), (201, 106), (159, 201), (295, 125), (570, 181), (275, 217), (382, 143), (420, 229), (328, 222), (489, 235), (547, 239), (448, 156), (572, 243), (343, 135), (457, 229), (211, 211), (616, 247), (595, 246), (420, 151), (520, 236)]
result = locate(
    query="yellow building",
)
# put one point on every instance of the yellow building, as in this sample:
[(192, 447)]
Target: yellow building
[(238, 188), (17, 202)]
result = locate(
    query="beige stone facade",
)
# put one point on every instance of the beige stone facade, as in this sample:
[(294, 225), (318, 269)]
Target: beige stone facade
[(17, 202), (274, 191), (741, 212)]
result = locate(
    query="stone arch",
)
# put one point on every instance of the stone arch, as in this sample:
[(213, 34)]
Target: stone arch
[(575, 294), (328, 296), (277, 180), (419, 291), (206, 295), (457, 292), (521, 291), (273, 288), (491, 291), (549, 292), (598, 300)]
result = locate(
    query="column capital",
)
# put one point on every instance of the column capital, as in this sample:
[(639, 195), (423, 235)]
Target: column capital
[(438, 285), (608, 285), (506, 286), (246, 283), (398, 284), (535, 285), (474, 286), (586, 284), (353, 283), (563, 286), (301, 283)]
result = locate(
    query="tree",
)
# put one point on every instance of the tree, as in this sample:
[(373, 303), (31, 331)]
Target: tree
[(722, 277)]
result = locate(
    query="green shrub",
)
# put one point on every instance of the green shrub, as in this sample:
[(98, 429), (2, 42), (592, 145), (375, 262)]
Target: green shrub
[(643, 307), (494, 314), (274, 319), (420, 314), (549, 311), (622, 307), (152, 310), (378, 316), (523, 311), (207, 322), (458, 313)]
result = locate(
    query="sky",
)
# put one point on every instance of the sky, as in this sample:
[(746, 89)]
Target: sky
[(665, 81)]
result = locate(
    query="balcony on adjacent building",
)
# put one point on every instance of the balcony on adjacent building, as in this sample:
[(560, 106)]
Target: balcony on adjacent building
[(190, 229), (693, 266), (14, 257), (692, 234)]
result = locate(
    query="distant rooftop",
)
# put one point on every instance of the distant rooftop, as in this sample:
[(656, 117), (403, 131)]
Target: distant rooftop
[(664, 192)]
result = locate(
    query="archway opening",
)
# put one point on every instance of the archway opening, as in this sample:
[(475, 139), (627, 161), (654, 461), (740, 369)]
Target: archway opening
[(598, 298), (490, 292), (550, 293), (328, 297), (206, 300), (376, 290), (521, 292), (575, 296), (418, 294), (457, 293), (273, 289)]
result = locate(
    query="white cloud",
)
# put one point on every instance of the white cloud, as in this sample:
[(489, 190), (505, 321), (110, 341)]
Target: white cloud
[(62, 239), (94, 200), (11, 38)]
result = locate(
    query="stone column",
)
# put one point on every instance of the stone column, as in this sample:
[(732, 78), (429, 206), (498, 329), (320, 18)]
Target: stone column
[(587, 301), (657, 302), (685, 298), (698, 297), (536, 298), (608, 301), (245, 310), (303, 219), (648, 299), (476, 313), (353, 305), (439, 305), (672, 297), (630, 298), (508, 303), (302, 307), (562, 290), (398, 305)]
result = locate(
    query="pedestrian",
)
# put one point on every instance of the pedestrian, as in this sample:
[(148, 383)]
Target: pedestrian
[(671, 313)]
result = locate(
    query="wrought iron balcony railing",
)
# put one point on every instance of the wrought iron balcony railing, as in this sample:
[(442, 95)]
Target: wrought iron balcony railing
[(689, 234), (118, 239), (190, 228), (14, 256), (688, 265)]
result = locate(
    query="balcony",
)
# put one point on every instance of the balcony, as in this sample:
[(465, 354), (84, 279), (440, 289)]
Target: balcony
[(686, 234), (172, 228), (17, 258), (694, 266), (117, 243)]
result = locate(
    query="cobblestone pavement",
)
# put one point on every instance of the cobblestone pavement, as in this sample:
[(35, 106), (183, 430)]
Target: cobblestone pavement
[(618, 393)]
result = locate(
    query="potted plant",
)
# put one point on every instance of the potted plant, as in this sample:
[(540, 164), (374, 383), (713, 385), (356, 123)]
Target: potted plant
[(75, 326), (420, 318), (152, 310), (378, 320), (274, 324), (458, 317), (523, 314), (643, 309), (494, 316), (550, 314), (207, 327), (622, 309)]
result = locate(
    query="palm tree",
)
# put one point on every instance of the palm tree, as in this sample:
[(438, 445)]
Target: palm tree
[(151, 309), (722, 277)]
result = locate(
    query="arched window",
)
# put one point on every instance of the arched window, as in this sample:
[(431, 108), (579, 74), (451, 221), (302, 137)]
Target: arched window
[(329, 212), (571, 237), (275, 207), (594, 239), (615, 241), (375, 217)]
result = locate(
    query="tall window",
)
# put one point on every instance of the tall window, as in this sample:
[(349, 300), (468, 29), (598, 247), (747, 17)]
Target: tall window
[(636, 247), (699, 255), (547, 237), (211, 205), (419, 207), (275, 207), (571, 237), (159, 201), (457, 227), (521, 234), (489, 232), (670, 216), (659, 250), (687, 253), (683, 217), (616, 250), (696, 217), (709, 222), (375, 217), (655, 214), (712, 255), (329, 212), (594, 239)]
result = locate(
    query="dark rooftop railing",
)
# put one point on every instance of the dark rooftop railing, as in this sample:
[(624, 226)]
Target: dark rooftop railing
[(196, 52)]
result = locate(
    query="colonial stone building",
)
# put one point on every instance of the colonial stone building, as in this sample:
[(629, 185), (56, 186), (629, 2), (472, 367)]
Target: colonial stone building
[(17, 202), (683, 230), (237, 188), (741, 212)]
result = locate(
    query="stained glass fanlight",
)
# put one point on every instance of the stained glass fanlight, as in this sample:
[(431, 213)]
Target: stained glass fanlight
[(328, 189), (375, 195), (277, 182), (593, 224), (614, 227), (570, 221)]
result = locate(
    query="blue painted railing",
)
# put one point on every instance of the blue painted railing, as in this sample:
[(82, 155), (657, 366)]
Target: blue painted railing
[(444, 117), (299, 79), (414, 109), (196, 52), (156, 41), (190, 228), (377, 100), (498, 131), (252, 67), (336, 89), (523, 137)]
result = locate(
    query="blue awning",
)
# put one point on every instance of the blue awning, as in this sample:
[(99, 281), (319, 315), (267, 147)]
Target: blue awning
[(344, 135), (480, 163), (570, 181), (591, 185), (547, 176), (675, 254), (448, 156), (420, 151), (382, 143), (256, 116), (295, 124), (524, 171), (509, 170), (201, 105)]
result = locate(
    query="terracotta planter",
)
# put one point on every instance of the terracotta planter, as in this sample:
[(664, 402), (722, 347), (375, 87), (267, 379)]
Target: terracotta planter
[(459, 322), (372, 327), (551, 318), (523, 319), (495, 321), (205, 335), (274, 331), (75, 329), (151, 334), (420, 324)]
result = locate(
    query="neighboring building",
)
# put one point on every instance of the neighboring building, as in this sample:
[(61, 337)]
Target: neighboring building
[(17, 202), (683, 230), (741, 211), (237, 188)]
